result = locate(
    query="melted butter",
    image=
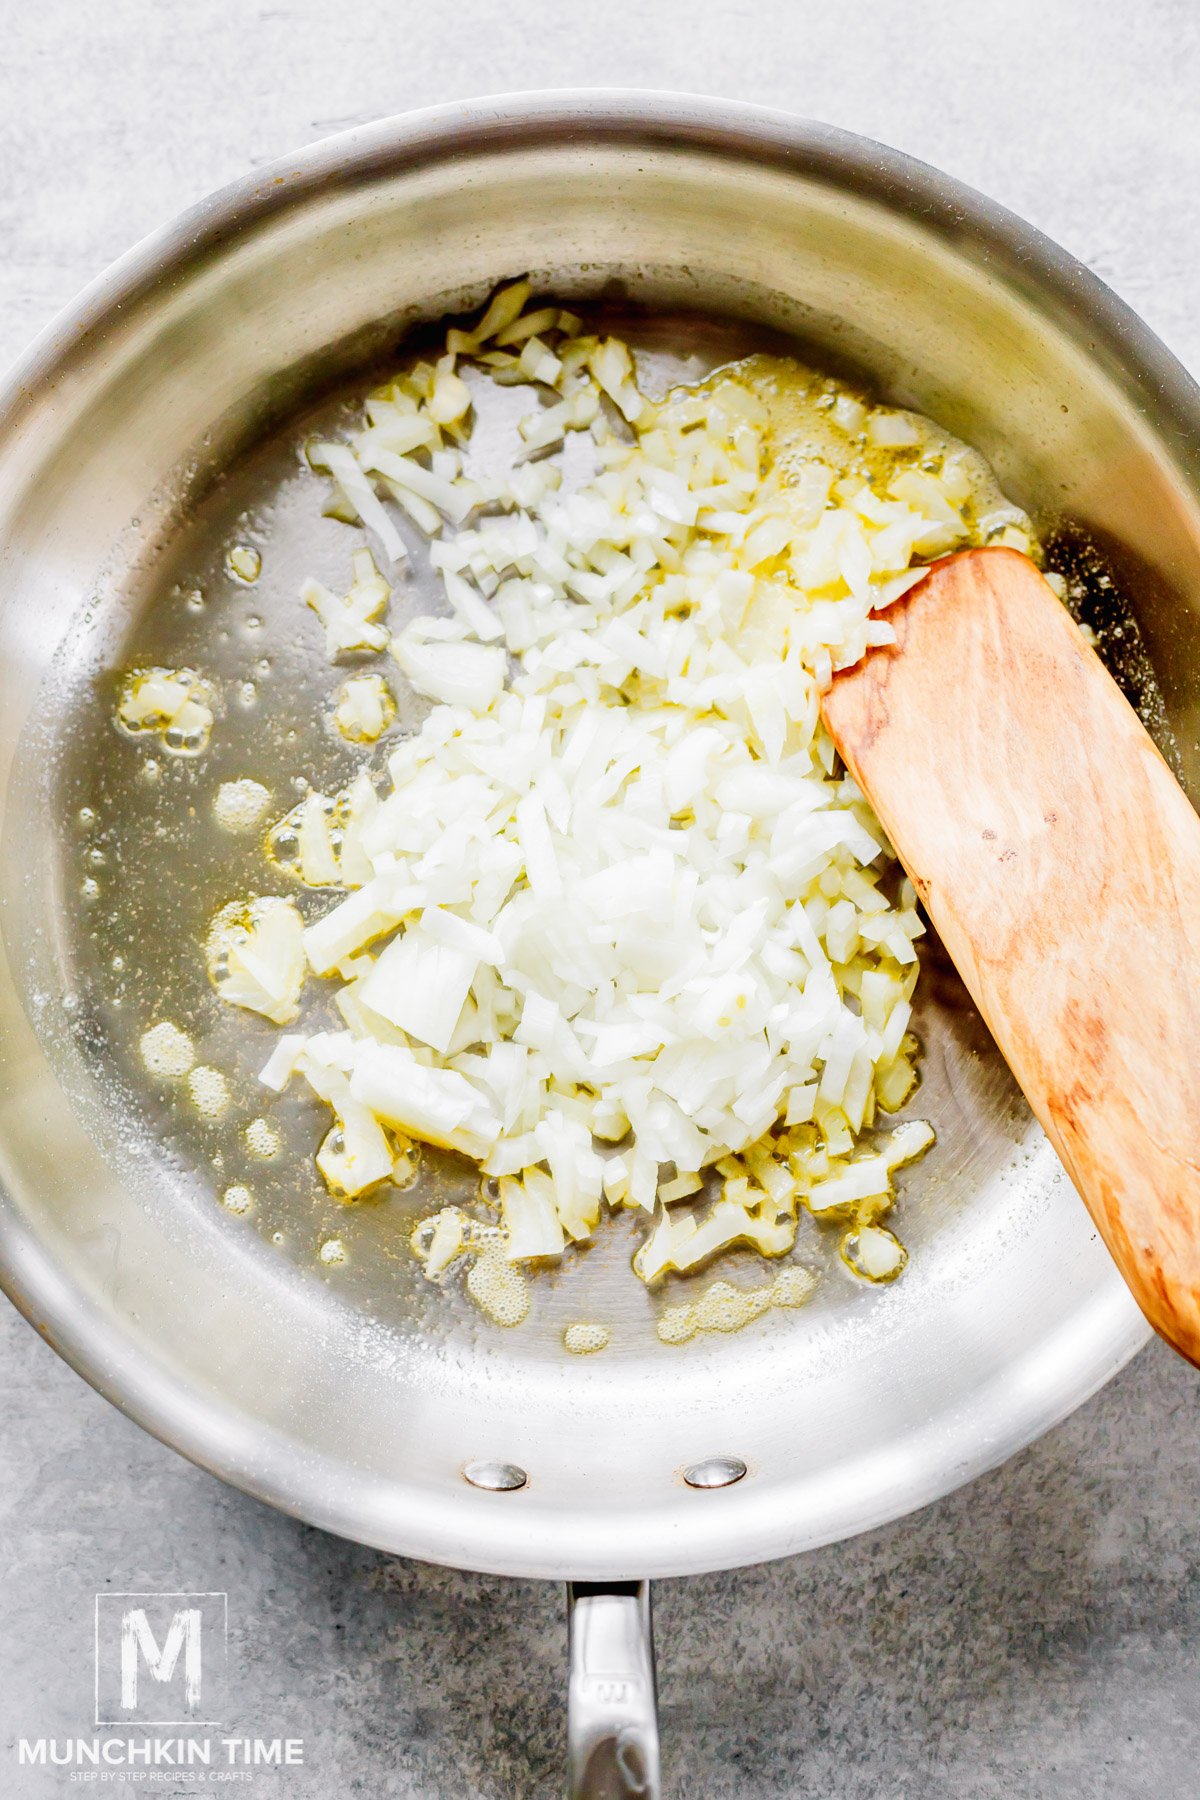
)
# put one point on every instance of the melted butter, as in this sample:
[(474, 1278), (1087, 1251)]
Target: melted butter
[(814, 418), (585, 1340), (241, 805), (209, 1091), (498, 1289), (496, 1286), (722, 1307), (167, 1051), (262, 1139)]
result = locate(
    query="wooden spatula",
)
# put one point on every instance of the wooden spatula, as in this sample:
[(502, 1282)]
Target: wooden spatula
[(1060, 862)]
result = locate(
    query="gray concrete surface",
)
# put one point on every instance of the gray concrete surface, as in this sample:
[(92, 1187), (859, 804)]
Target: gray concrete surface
[(1033, 1635)]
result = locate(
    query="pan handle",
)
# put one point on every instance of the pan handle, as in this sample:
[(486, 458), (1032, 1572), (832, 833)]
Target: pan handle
[(612, 1703)]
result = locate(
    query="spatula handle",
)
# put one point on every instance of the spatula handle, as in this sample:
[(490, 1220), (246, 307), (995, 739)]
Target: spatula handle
[(1059, 860)]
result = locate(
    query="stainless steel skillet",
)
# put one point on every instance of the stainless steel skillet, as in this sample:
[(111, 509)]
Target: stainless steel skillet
[(160, 416)]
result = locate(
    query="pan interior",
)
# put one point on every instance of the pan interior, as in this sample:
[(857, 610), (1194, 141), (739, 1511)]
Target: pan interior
[(355, 1392), (142, 867)]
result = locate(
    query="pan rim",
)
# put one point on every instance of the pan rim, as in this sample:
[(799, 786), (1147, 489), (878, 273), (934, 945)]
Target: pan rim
[(1105, 1333)]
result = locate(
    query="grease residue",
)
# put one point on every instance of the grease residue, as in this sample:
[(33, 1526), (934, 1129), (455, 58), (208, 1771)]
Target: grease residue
[(723, 1307), (498, 1290), (209, 1091), (584, 1340), (241, 806), (262, 1139), (166, 1051)]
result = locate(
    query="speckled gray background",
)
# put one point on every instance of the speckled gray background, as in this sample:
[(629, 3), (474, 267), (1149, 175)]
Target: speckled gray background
[(1034, 1635)]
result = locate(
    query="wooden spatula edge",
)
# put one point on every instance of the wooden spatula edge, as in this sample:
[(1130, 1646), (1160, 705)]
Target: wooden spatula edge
[(1059, 860)]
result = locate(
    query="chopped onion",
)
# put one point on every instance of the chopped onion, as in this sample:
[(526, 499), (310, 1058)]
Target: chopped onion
[(349, 619), (458, 674), (255, 953), (359, 492), (622, 929)]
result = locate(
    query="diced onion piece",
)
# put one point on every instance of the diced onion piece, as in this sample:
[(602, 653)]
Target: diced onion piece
[(612, 366), (892, 430), (174, 704), (435, 1104), (364, 709), (344, 466), (873, 1252), (457, 674), (682, 1243), (530, 1217), (350, 619), (355, 1155), (255, 955), (439, 1241), (450, 400), (282, 1063), (421, 985), (353, 924), (505, 305), (539, 362), (471, 608)]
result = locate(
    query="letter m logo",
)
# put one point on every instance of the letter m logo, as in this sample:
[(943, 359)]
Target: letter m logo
[(160, 1658), (138, 1645)]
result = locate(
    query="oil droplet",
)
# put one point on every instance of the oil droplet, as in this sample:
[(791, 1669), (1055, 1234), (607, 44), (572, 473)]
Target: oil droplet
[(86, 817), (245, 562), (723, 1307), (262, 1139), (277, 1237), (332, 1251), (237, 1199), (585, 1340), (117, 965), (210, 1092), (166, 1050)]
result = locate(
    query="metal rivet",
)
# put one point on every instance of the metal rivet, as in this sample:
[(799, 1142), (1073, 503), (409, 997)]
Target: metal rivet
[(715, 1472), (497, 1477)]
